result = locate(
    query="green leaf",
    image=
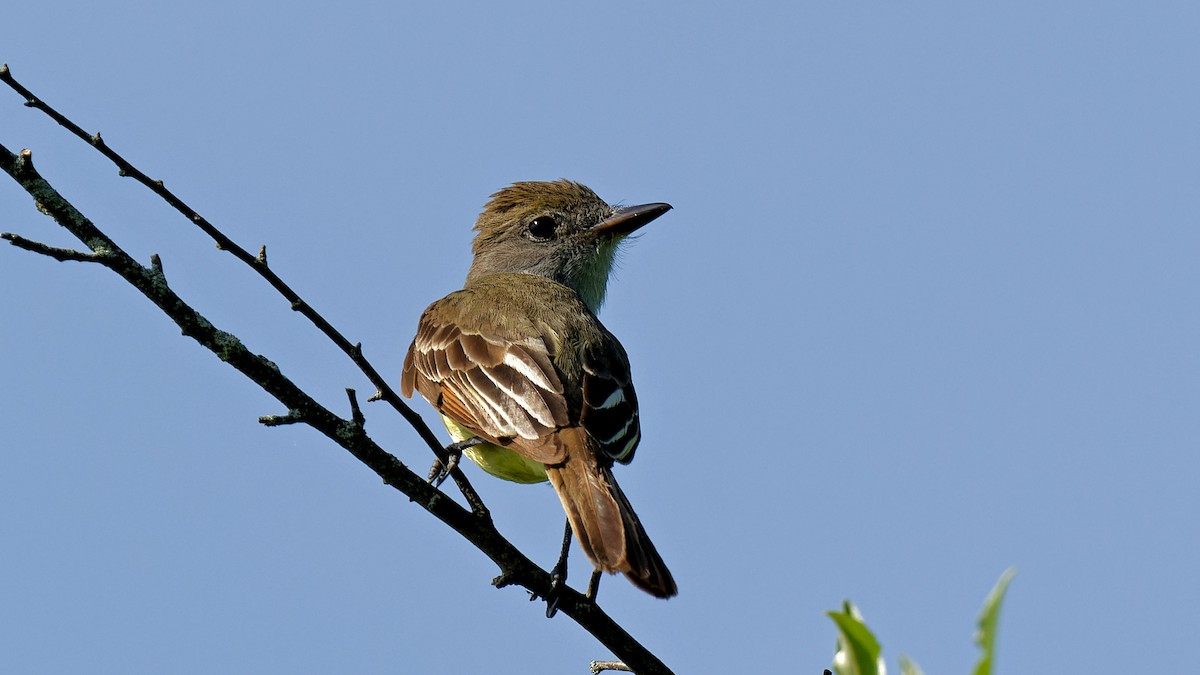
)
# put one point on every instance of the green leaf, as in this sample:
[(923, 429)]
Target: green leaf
[(985, 637), (858, 650)]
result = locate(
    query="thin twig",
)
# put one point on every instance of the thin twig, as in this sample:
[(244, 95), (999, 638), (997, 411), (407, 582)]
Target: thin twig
[(59, 254)]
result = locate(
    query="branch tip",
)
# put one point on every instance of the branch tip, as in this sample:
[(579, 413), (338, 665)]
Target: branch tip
[(503, 580), (59, 254), (598, 667), (292, 417), (356, 414), (23, 167)]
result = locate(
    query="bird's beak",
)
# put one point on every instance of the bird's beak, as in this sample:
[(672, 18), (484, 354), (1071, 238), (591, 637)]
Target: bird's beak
[(625, 220)]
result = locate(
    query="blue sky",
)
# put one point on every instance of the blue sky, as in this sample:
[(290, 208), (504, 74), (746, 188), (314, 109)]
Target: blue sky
[(927, 307)]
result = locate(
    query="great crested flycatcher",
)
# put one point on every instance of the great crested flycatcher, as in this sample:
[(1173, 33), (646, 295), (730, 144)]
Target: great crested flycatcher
[(527, 379)]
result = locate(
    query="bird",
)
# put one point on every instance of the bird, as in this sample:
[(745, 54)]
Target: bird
[(528, 382)]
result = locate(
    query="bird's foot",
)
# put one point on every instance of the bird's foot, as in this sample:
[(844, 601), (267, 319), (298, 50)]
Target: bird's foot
[(441, 470), (558, 581), (558, 575)]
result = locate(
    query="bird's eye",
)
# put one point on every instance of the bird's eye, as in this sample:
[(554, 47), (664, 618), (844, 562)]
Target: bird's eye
[(542, 228)]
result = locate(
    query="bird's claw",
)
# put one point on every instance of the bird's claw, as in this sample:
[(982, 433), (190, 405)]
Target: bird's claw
[(441, 470), (558, 581)]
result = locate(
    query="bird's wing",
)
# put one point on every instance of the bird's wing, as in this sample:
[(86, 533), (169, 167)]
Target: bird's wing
[(504, 388), (610, 408)]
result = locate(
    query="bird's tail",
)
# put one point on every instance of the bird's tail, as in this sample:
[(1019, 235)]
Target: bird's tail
[(606, 526)]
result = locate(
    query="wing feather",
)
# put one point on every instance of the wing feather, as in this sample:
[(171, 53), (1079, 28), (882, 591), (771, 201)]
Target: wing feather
[(610, 409), (505, 390)]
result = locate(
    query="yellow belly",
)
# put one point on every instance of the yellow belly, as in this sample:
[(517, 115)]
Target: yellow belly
[(498, 461)]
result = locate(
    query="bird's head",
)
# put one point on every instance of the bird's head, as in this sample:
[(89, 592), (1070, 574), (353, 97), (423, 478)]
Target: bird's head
[(560, 230)]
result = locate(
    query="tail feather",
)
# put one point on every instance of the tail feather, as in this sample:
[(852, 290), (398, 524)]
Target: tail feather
[(605, 524), (646, 570)]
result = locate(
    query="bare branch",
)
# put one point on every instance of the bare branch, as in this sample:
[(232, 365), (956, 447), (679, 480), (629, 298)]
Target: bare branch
[(515, 567), (475, 525)]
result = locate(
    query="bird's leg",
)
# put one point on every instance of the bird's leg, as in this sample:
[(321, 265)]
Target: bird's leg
[(594, 585), (439, 471), (558, 575)]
